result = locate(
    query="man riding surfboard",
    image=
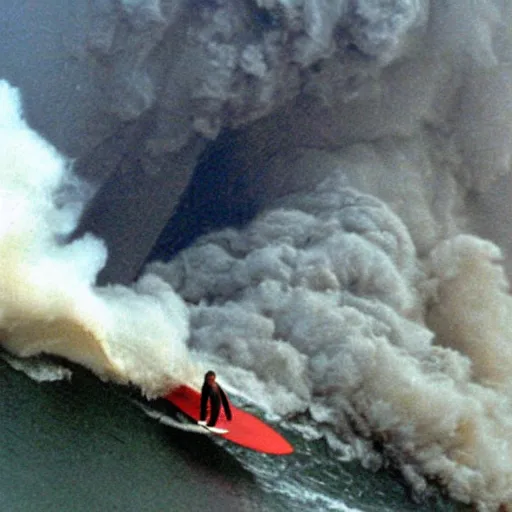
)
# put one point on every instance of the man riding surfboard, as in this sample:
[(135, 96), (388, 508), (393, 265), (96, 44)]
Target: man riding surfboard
[(214, 393)]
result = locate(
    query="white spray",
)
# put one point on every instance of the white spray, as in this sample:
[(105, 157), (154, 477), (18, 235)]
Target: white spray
[(48, 301)]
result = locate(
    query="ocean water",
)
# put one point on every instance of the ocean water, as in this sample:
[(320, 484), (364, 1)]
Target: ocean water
[(366, 315), (71, 441)]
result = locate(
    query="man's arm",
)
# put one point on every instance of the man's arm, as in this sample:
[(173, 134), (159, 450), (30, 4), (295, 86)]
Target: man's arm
[(204, 402), (225, 403)]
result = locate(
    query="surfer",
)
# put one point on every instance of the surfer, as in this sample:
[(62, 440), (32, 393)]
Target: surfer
[(213, 392)]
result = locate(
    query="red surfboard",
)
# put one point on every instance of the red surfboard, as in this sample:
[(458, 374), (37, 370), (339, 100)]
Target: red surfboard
[(243, 429)]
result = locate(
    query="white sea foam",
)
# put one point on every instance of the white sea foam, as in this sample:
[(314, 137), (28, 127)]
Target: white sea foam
[(48, 300), (38, 370), (300, 495)]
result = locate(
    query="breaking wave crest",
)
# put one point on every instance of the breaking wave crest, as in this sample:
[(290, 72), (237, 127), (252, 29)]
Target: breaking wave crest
[(48, 300)]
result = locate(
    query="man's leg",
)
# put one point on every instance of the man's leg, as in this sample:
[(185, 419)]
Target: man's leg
[(214, 413)]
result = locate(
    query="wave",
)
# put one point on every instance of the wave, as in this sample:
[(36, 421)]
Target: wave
[(359, 301), (320, 304), (48, 300)]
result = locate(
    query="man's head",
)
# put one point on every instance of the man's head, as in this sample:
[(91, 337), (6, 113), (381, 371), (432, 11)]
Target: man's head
[(209, 377)]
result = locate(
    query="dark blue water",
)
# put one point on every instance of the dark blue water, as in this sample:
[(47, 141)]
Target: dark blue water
[(84, 445)]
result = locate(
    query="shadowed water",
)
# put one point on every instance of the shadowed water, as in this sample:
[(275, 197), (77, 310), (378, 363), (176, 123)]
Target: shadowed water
[(85, 445)]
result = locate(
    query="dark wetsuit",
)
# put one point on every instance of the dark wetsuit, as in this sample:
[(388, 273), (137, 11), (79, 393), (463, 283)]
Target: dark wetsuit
[(216, 396)]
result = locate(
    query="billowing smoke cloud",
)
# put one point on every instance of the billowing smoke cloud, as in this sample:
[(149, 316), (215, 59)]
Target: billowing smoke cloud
[(324, 300), (360, 299), (48, 301)]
